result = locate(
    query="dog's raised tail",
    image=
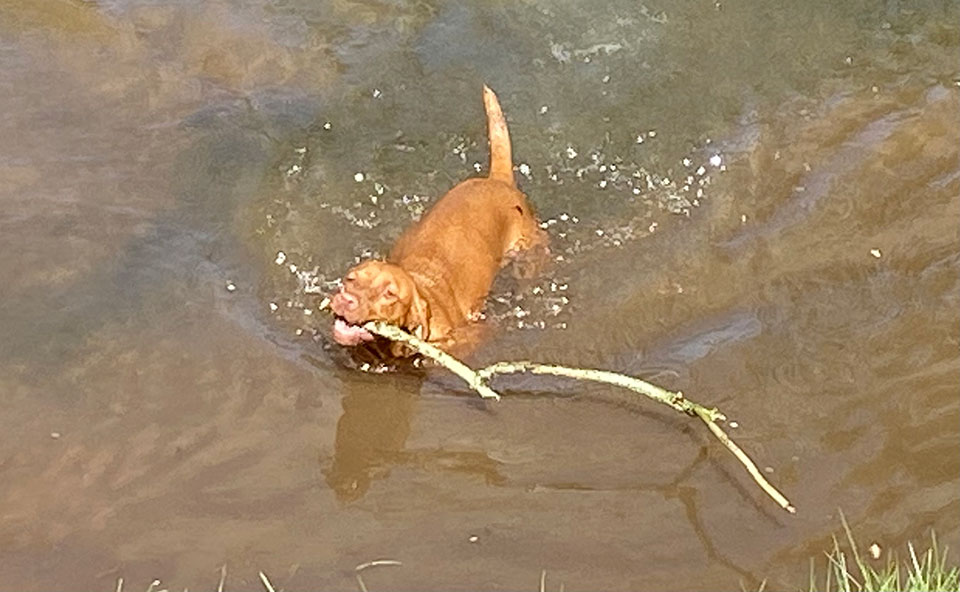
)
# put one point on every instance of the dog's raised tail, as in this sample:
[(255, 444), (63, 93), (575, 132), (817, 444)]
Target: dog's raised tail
[(501, 158)]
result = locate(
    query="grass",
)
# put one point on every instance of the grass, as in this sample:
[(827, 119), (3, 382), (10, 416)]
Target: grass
[(847, 571)]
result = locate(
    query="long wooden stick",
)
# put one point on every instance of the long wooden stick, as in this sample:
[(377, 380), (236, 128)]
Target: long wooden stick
[(661, 395), (478, 380)]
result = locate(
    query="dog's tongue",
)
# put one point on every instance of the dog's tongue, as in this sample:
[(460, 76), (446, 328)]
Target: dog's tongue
[(347, 334)]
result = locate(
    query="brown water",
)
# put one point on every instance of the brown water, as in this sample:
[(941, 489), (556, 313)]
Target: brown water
[(158, 425)]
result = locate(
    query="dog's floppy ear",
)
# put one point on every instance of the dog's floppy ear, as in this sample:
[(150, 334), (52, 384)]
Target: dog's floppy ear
[(417, 321), (418, 317)]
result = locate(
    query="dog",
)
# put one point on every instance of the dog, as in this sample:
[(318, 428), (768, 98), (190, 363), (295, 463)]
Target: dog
[(436, 278)]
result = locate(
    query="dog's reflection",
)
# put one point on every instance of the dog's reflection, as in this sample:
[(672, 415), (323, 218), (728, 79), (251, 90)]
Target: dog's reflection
[(372, 437)]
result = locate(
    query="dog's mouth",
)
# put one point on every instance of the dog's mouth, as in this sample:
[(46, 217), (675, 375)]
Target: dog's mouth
[(347, 333)]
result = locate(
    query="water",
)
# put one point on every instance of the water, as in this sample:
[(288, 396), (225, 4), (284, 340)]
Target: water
[(754, 202)]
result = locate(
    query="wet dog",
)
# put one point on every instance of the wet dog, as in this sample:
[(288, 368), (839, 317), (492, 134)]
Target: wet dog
[(437, 276)]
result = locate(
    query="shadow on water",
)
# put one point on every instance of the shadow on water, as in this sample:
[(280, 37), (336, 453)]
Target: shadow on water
[(371, 438)]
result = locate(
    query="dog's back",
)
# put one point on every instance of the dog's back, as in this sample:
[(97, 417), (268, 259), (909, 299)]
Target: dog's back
[(461, 242)]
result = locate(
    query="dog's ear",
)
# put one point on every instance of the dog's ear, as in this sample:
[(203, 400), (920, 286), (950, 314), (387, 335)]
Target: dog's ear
[(418, 317), (417, 321)]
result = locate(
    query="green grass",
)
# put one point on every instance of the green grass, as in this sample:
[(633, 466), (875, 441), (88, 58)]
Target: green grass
[(847, 571)]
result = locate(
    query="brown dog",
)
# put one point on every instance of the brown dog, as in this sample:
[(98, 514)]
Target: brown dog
[(438, 274)]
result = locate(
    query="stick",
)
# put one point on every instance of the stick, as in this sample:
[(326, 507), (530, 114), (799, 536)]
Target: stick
[(675, 400), (473, 379), (266, 582), (478, 379), (368, 565), (748, 463)]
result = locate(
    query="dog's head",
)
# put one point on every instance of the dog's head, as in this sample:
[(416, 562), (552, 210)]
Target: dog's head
[(377, 291)]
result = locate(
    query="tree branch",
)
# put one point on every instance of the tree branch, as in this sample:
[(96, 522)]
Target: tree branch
[(478, 380)]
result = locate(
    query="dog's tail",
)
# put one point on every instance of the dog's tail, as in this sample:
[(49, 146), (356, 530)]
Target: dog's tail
[(501, 159)]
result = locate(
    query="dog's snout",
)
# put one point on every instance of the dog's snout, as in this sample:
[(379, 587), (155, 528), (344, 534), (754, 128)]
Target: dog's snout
[(345, 300)]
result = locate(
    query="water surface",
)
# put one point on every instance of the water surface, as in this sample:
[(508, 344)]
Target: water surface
[(754, 202)]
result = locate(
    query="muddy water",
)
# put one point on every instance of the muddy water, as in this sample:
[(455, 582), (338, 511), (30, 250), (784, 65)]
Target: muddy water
[(754, 202)]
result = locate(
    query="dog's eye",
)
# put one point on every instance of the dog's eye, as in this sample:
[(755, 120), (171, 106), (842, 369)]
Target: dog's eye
[(519, 209), (351, 277), (390, 292)]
